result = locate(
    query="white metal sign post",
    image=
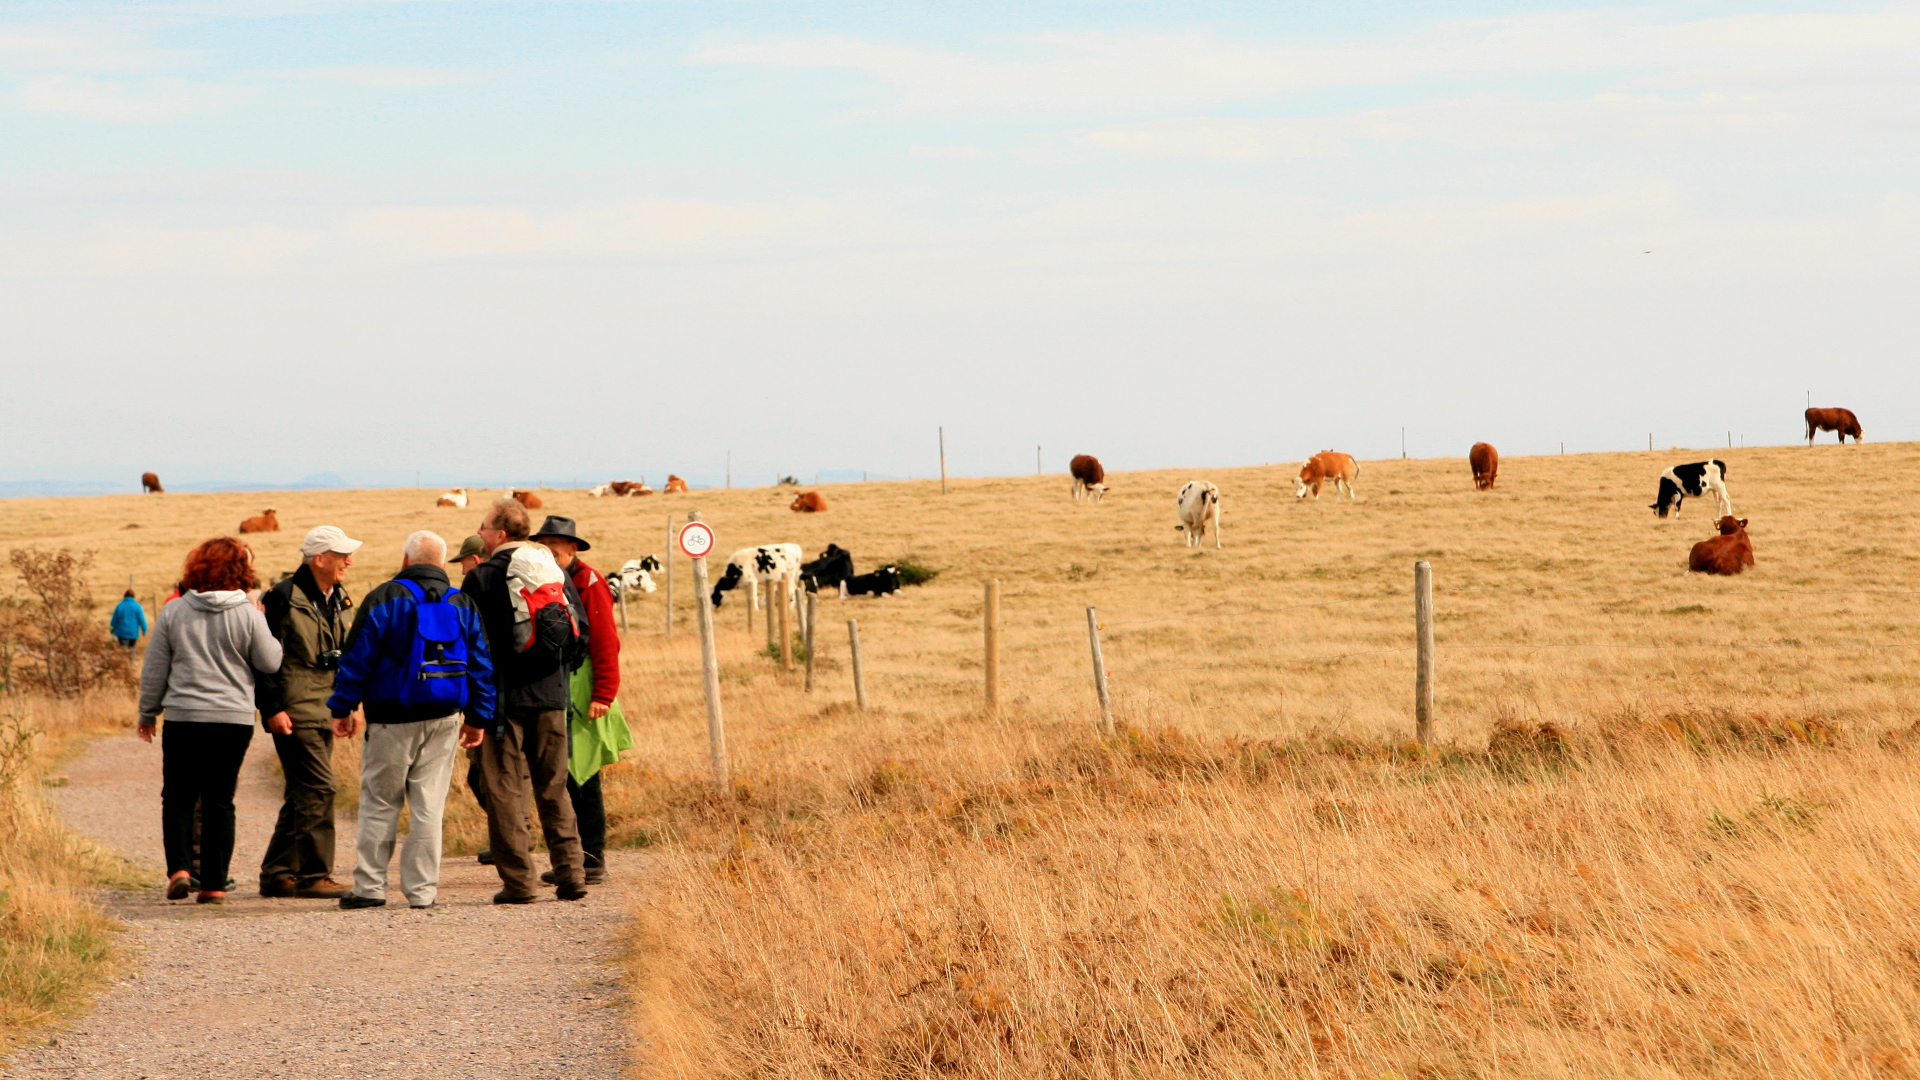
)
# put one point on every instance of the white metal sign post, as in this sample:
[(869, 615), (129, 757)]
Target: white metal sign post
[(696, 540)]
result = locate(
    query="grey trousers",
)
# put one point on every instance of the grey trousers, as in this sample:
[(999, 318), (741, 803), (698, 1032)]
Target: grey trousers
[(414, 762)]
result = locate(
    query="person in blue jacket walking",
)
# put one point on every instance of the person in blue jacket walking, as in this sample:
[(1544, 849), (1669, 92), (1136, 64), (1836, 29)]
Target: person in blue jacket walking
[(416, 659), (129, 621)]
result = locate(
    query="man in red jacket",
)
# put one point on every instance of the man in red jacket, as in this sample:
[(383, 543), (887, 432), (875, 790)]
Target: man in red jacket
[(603, 647)]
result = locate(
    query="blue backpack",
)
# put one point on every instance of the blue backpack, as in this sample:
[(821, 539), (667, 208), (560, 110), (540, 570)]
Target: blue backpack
[(436, 668)]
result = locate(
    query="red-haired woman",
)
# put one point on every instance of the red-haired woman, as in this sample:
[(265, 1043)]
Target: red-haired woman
[(200, 670)]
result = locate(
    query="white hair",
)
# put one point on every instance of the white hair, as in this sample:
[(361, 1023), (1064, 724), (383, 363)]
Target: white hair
[(425, 549)]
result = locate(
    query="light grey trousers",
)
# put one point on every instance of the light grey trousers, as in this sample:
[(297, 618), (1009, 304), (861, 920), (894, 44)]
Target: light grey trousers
[(412, 762)]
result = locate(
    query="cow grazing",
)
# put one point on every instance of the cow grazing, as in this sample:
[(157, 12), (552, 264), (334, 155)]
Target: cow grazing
[(766, 565), (1486, 465), (526, 498), (150, 484), (834, 566), (1089, 479), (1199, 505), (634, 575), (457, 498), (1838, 420), (1325, 466), (882, 582), (1695, 479), (264, 521), (675, 485), (1728, 553), (808, 502)]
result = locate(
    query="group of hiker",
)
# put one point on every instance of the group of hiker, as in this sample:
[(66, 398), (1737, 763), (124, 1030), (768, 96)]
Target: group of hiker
[(520, 667)]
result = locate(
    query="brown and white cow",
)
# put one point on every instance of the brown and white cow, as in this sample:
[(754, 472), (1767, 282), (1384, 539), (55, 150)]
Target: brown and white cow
[(1838, 420), (1486, 465), (150, 484), (264, 521), (675, 485), (1089, 479), (1728, 553), (456, 497), (526, 498), (1325, 466), (808, 502)]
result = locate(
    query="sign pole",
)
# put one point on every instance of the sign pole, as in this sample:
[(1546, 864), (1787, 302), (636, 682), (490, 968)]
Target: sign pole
[(698, 537), (670, 575)]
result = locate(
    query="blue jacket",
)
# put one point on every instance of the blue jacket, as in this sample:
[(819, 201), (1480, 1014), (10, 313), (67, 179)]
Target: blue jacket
[(373, 663), (129, 620)]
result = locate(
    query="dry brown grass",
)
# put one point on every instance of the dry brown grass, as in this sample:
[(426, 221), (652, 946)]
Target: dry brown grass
[(1669, 834)]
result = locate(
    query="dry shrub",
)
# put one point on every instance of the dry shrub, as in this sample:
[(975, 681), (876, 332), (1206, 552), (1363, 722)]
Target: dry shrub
[(49, 638)]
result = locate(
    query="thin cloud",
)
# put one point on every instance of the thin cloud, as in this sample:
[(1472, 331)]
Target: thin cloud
[(142, 101)]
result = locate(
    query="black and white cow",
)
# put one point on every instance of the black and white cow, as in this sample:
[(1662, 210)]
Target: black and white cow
[(834, 566), (764, 565), (635, 574), (1695, 479), (882, 582)]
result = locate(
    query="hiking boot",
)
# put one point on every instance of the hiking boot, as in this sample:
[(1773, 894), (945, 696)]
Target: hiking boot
[(485, 858), (354, 902), (210, 897), (595, 875), (505, 897), (178, 888), (571, 892), (278, 887), (324, 889)]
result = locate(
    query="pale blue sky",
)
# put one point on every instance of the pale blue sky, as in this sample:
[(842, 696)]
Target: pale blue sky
[(537, 241)]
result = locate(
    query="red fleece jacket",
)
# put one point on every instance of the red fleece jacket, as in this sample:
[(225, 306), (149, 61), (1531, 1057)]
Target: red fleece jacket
[(603, 635)]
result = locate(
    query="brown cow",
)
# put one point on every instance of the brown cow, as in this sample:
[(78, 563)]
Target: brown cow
[(1324, 466), (808, 502), (454, 497), (526, 498), (622, 488), (1486, 465), (1840, 420), (265, 521), (1089, 479), (675, 484), (1728, 553), (150, 484)]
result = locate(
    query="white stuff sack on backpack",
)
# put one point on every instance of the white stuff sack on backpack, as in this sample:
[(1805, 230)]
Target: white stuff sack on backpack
[(534, 580)]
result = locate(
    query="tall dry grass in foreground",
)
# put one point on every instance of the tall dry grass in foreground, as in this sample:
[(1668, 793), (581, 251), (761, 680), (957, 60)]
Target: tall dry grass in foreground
[(56, 943)]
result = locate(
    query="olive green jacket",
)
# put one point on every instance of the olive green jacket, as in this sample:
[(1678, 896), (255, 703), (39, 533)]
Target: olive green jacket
[(307, 624)]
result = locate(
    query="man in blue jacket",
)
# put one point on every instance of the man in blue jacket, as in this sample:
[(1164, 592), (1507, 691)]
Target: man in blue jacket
[(129, 621), (417, 658)]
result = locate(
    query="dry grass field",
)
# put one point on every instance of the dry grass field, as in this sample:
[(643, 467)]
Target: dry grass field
[(1670, 828)]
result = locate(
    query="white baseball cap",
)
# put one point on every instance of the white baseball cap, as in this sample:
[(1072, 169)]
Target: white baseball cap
[(328, 538)]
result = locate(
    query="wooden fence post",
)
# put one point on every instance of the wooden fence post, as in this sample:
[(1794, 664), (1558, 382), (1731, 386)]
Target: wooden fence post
[(782, 590), (811, 598), (1100, 673), (623, 612), (753, 600), (710, 673), (859, 672), (670, 543), (943, 461), (991, 614), (1423, 666)]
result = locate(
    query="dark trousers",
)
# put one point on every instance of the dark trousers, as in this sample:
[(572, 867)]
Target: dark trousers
[(200, 766), (590, 814), (302, 844), (531, 747)]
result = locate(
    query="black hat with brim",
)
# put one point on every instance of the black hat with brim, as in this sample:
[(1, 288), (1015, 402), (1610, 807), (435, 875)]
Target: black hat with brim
[(562, 527)]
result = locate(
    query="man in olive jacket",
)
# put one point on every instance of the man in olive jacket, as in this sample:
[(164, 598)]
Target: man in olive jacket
[(309, 614)]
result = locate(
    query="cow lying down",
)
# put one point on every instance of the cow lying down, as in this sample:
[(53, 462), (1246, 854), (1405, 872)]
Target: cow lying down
[(834, 570), (1728, 553), (636, 575)]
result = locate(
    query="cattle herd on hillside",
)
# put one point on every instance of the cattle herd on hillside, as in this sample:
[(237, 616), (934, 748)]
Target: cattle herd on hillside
[(1197, 506)]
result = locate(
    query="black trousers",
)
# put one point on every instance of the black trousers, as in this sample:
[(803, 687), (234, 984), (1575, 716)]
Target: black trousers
[(590, 816), (303, 840), (200, 766)]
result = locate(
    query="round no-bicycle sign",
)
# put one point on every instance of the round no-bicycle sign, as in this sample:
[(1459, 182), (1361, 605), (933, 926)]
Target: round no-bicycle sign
[(696, 539)]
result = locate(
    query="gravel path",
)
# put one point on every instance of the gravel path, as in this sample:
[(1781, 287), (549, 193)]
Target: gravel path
[(299, 988)]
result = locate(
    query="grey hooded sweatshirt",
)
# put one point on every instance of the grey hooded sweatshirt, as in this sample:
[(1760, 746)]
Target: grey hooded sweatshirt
[(202, 657)]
